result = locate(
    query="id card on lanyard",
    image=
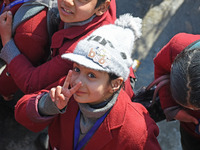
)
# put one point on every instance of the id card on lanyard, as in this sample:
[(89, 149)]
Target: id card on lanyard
[(79, 145), (12, 4)]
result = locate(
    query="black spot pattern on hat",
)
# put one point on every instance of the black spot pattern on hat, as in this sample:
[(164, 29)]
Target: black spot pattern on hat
[(123, 55)]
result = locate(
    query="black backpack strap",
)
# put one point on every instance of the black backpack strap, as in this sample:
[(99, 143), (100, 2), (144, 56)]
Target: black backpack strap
[(159, 82), (53, 18), (47, 3), (26, 11), (32, 7)]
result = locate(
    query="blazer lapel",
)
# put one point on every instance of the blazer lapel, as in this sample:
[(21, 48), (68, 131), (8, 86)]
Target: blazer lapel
[(114, 120), (101, 137)]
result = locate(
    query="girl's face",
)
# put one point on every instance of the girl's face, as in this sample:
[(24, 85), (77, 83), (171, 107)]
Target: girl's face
[(76, 10), (95, 85)]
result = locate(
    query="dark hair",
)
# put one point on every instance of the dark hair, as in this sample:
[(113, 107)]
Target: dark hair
[(113, 76), (185, 78), (99, 2)]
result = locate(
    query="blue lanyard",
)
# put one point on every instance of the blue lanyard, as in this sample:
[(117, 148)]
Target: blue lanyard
[(12, 4), (78, 146)]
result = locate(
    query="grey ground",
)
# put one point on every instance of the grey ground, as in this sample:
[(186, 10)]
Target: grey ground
[(162, 19)]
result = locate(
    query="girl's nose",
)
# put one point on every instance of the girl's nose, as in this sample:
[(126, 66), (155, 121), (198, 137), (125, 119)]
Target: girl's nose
[(69, 2), (77, 80)]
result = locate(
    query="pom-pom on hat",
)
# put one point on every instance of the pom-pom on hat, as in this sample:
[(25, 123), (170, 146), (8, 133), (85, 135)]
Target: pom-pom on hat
[(109, 47)]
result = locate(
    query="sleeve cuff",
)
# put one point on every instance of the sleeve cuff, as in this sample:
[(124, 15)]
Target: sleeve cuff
[(33, 113), (171, 112), (9, 51), (48, 108)]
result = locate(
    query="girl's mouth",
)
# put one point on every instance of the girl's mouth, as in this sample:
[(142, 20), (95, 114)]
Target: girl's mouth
[(79, 93), (67, 10)]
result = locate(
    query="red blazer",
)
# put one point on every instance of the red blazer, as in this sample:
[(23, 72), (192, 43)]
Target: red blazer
[(127, 126), (31, 37), (162, 64)]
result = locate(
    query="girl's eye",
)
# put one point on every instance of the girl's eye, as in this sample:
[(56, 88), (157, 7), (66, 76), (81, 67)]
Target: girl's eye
[(76, 69), (91, 75)]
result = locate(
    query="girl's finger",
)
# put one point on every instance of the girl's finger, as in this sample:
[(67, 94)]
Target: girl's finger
[(9, 17), (3, 17), (67, 80), (52, 94), (69, 92), (58, 92), (75, 88)]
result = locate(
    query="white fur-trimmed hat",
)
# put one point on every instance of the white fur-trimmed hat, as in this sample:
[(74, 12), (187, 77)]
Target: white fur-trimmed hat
[(109, 47)]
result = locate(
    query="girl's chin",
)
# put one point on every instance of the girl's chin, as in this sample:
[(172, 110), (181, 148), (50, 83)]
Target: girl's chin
[(79, 99)]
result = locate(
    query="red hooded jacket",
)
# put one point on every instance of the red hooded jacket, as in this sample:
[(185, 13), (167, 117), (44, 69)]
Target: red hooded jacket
[(163, 62)]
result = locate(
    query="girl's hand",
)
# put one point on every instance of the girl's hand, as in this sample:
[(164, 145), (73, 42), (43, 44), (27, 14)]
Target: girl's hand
[(6, 27), (183, 116), (61, 95)]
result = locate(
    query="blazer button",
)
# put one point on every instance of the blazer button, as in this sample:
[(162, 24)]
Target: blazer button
[(8, 74)]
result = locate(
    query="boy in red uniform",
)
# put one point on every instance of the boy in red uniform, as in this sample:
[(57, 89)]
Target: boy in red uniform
[(91, 110), (30, 34)]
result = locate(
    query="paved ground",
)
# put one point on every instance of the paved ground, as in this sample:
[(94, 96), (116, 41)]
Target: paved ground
[(162, 19)]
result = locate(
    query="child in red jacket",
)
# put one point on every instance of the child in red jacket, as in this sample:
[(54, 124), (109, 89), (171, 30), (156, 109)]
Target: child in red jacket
[(180, 98), (91, 110), (30, 34), (78, 20)]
